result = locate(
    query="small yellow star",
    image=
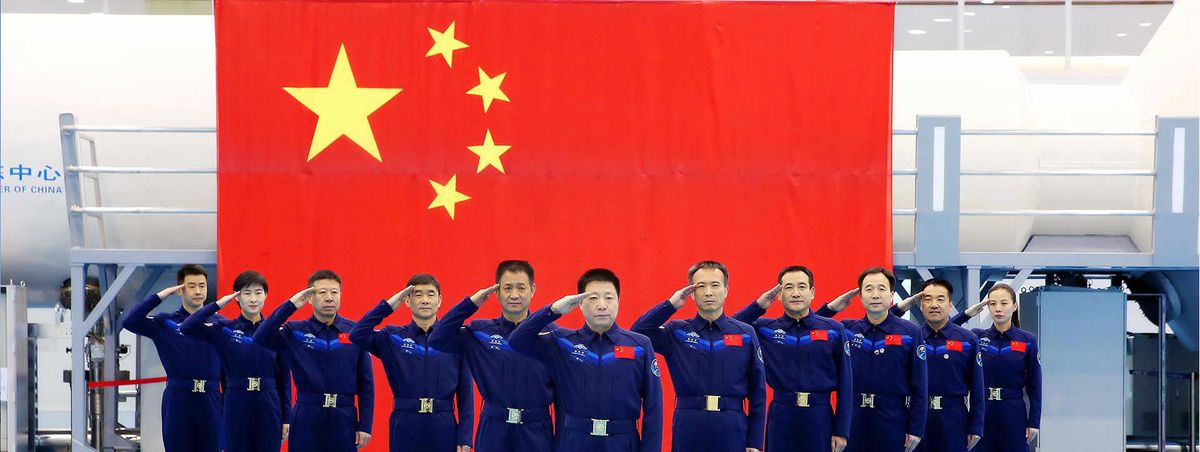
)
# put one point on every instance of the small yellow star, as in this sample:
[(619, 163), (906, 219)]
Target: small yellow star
[(342, 108), (444, 44), (489, 89), (447, 195), (489, 153)]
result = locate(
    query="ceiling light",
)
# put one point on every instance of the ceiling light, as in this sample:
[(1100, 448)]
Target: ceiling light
[(1145, 24), (1049, 52), (916, 32), (943, 20), (967, 30), (969, 13), (75, 1), (1006, 7), (987, 2), (1122, 35)]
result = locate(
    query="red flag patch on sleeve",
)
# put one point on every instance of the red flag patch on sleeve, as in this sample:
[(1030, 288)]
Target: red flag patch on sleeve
[(819, 335), (1017, 346), (893, 339), (622, 352), (954, 345), (733, 340)]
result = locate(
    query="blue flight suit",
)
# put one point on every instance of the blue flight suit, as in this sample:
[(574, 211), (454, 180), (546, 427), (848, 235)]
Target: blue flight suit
[(329, 372), (191, 405), (955, 373), (604, 382), (716, 367), (516, 389), (426, 383), (806, 360), (258, 385), (890, 382), (1012, 370)]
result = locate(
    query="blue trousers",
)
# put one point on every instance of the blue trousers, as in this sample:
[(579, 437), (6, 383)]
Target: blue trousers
[(417, 432), (945, 431), (708, 431), (253, 421), (795, 429), (1004, 427), (877, 430), (533, 434), (319, 429), (190, 420)]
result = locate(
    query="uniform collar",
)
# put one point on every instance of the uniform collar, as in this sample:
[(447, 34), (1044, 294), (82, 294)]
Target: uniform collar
[(882, 325), (587, 335), (699, 323), (338, 321), (416, 329), (929, 332), (789, 321), (1005, 334)]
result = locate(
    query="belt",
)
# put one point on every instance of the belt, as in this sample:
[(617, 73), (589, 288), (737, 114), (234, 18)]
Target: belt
[(867, 400), (937, 402), (802, 399), (423, 405), (709, 403), (515, 415), (250, 384), (325, 400), (1005, 393), (600, 427), (200, 386)]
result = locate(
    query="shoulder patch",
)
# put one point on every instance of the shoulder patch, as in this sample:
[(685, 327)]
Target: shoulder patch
[(979, 358), (921, 352), (846, 346), (654, 367), (759, 350)]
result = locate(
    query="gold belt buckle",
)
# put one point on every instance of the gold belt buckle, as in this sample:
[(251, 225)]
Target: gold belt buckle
[(514, 416), (198, 385), (712, 403), (330, 401), (935, 402), (253, 383), (599, 427), (802, 399), (868, 401), (994, 394), (426, 405)]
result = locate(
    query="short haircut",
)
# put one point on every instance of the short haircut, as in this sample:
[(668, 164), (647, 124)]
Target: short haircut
[(425, 278), (940, 283), (514, 266), (708, 264), (1006, 288), (598, 275), (249, 278), (189, 270), (324, 274), (885, 272), (793, 269)]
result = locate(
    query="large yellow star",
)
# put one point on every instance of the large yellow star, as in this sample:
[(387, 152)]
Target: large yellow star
[(489, 153), (342, 108), (444, 44), (489, 89), (447, 195)]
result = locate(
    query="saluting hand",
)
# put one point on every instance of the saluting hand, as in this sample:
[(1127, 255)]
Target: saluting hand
[(163, 294), (399, 297), (837, 443), (301, 297), (569, 302), (909, 302), (764, 301), (680, 295), (225, 299), (910, 442), (843, 300), (361, 439), (483, 294), (976, 308)]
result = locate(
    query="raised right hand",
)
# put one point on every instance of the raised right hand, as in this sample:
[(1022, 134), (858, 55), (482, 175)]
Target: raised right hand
[(301, 297), (680, 295), (483, 294)]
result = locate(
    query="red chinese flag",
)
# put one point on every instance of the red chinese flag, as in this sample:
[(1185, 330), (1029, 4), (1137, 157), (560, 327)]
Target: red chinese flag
[(1018, 346), (733, 340), (954, 345), (622, 352), (344, 338), (381, 139), (818, 335), (893, 339)]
